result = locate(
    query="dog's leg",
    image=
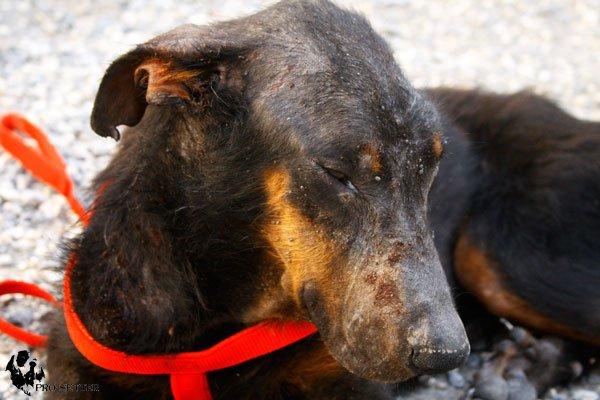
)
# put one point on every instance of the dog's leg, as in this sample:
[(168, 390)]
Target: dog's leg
[(319, 376), (322, 378), (350, 387)]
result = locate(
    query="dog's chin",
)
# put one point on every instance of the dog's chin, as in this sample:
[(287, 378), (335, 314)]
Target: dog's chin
[(384, 368)]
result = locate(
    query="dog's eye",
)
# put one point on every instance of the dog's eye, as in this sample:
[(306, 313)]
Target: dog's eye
[(340, 177)]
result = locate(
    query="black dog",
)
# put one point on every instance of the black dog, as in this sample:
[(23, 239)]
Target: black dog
[(528, 247), (279, 168)]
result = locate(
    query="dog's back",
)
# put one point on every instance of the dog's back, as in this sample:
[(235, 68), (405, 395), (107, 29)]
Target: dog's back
[(528, 247)]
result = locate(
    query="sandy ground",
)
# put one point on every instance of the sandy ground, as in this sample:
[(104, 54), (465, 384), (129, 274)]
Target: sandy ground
[(52, 55)]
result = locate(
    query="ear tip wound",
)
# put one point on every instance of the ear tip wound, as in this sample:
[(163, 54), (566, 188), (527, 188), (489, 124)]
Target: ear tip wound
[(114, 133), (106, 130)]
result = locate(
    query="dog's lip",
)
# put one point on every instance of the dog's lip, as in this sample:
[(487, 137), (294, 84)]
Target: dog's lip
[(309, 298)]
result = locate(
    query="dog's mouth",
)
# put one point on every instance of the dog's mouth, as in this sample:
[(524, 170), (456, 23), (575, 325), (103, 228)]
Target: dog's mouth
[(361, 346), (313, 309)]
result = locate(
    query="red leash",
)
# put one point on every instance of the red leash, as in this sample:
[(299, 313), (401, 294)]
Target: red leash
[(12, 287), (187, 370)]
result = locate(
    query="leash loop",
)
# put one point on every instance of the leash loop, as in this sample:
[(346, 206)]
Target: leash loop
[(42, 161), (20, 334)]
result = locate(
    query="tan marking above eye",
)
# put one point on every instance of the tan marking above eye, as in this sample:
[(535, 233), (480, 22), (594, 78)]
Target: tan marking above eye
[(438, 147), (373, 157)]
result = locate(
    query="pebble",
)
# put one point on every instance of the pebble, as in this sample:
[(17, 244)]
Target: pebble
[(520, 335), (491, 387), (519, 388), (474, 361), (583, 394), (456, 379)]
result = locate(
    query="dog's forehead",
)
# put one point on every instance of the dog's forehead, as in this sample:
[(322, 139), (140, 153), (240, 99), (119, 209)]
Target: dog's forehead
[(327, 73), (313, 69)]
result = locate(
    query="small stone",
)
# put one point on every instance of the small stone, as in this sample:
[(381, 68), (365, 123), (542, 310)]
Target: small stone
[(504, 345), (576, 368), (474, 361), (520, 389), (440, 384), (425, 379), (583, 394), (491, 387), (456, 379), (558, 396), (521, 336), (20, 316)]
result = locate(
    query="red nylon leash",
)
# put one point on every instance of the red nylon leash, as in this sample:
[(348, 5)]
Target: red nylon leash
[(187, 370), (43, 162), (12, 287)]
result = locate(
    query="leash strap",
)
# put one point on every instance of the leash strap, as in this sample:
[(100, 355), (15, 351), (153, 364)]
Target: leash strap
[(187, 370), (20, 334), (46, 165), (43, 162)]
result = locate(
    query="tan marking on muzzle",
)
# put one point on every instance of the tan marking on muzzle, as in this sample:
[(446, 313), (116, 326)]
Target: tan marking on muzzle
[(438, 147), (295, 240)]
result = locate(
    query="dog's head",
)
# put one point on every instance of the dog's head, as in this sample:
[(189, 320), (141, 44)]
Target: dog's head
[(307, 110)]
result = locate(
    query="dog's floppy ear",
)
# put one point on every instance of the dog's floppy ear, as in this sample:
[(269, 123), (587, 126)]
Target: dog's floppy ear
[(175, 68)]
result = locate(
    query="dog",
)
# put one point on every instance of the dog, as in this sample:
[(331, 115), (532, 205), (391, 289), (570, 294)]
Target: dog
[(281, 167), (526, 246)]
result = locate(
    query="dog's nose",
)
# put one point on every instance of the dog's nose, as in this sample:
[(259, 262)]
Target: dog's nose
[(433, 359), (446, 347)]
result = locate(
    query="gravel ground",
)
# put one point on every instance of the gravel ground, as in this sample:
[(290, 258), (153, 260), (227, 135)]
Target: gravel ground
[(53, 53)]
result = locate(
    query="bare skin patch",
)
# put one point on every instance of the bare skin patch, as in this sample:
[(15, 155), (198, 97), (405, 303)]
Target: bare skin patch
[(371, 278), (387, 294), (478, 272), (397, 253)]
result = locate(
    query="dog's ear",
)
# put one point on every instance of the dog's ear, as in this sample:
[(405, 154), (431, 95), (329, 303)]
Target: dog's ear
[(177, 68)]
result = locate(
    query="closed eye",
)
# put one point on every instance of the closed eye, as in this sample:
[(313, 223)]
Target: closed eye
[(340, 177)]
